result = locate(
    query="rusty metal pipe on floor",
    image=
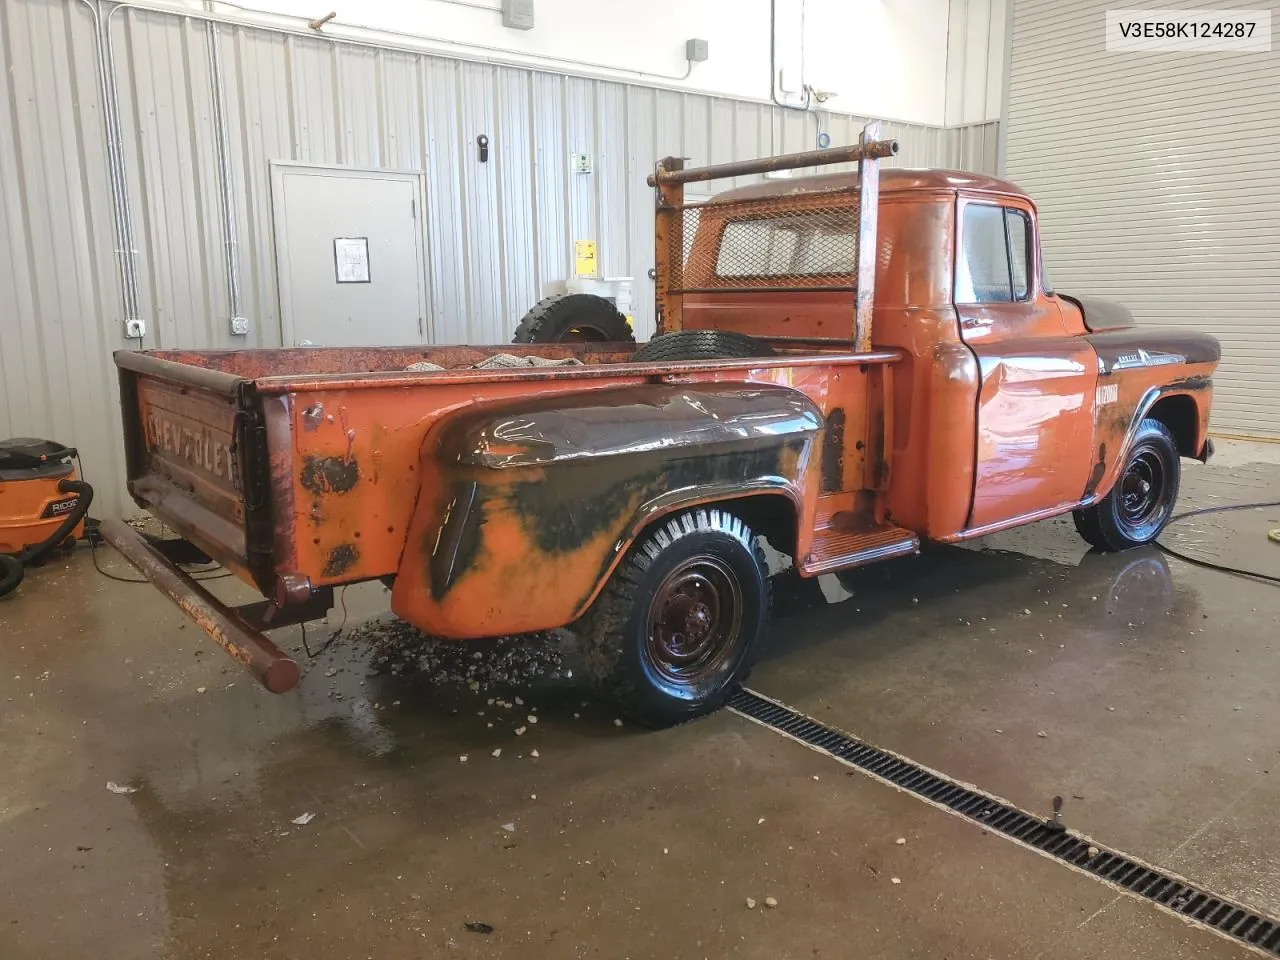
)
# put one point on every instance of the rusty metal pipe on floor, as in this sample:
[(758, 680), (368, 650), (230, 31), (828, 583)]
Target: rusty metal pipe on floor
[(274, 669), (875, 149)]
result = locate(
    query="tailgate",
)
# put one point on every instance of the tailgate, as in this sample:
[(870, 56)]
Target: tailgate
[(190, 435)]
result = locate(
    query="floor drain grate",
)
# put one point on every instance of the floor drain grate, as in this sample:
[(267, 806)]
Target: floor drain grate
[(1173, 894)]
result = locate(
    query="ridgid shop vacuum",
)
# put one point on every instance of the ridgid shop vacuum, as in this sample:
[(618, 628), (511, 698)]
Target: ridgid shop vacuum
[(43, 504)]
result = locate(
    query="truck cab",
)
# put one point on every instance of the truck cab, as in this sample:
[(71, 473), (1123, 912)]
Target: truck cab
[(1009, 403)]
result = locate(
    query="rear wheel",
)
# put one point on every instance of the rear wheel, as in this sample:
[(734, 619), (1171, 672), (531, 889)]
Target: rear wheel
[(1141, 502), (701, 345), (573, 317), (678, 624)]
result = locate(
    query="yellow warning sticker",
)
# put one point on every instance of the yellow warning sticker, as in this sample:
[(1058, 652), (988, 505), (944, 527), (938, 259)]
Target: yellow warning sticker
[(584, 258)]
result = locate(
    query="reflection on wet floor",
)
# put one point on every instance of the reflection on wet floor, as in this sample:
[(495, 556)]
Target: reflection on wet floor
[(1136, 585), (384, 660)]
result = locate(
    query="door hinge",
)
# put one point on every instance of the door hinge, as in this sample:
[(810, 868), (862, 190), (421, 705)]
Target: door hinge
[(421, 331), (413, 207)]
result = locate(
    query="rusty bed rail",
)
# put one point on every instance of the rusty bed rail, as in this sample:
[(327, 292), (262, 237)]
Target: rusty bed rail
[(871, 149), (274, 668), (677, 234)]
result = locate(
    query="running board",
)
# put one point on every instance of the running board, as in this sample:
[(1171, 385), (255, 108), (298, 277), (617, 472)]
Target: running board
[(835, 549)]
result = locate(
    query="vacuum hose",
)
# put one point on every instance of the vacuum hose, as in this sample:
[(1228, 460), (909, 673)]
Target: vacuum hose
[(11, 568), (11, 573)]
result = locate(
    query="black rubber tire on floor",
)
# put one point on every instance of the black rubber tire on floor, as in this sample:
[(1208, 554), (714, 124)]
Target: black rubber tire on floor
[(11, 573), (617, 635), (701, 345), (1105, 524), (573, 316)]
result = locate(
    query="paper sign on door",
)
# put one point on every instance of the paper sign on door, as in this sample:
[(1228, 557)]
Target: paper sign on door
[(351, 259)]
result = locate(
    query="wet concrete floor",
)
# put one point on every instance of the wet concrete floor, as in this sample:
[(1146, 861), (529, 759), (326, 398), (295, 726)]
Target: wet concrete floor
[(1138, 687)]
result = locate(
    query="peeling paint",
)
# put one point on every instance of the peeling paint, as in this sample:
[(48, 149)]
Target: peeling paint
[(341, 559)]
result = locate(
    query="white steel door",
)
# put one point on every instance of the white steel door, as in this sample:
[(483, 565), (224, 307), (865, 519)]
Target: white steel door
[(349, 256)]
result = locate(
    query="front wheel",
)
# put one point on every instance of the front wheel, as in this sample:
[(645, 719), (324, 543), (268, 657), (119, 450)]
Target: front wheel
[(678, 624), (1141, 501)]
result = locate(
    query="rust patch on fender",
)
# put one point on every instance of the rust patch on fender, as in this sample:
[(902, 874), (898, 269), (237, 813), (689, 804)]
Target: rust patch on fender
[(566, 511), (321, 475), (1099, 471), (1192, 383), (341, 559)]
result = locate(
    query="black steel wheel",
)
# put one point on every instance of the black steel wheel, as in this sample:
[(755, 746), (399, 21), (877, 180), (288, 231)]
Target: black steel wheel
[(678, 623), (694, 619), (573, 317), (1142, 499)]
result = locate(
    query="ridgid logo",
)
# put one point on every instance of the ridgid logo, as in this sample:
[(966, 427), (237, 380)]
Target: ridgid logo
[(1188, 31)]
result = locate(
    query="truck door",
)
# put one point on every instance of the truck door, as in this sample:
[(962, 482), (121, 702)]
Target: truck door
[(1035, 403)]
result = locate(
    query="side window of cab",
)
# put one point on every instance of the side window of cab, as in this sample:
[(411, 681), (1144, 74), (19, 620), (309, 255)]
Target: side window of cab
[(994, 263)]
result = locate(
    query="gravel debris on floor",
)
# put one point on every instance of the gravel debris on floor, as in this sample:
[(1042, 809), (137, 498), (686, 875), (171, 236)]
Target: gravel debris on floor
[(399, 649)]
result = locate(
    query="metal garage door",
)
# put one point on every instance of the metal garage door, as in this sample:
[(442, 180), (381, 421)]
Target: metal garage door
[(1158, 181)]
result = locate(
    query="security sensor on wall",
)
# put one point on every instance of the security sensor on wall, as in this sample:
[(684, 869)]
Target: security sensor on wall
[(822, 96)]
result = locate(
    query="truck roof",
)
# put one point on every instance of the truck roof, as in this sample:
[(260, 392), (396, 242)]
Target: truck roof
[(890, 180)]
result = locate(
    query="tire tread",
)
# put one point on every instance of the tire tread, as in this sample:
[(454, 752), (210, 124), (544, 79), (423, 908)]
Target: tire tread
[(702, 345), (550, 318)]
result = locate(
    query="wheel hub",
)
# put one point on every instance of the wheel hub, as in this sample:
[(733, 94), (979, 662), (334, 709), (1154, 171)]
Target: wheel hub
[(694, 619), (1142, 487)]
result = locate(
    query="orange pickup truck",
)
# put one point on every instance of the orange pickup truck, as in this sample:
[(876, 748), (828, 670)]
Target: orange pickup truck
[(847, 365)]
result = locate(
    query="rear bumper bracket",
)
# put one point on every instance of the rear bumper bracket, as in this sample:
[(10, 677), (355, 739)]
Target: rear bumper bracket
[(274, 668)]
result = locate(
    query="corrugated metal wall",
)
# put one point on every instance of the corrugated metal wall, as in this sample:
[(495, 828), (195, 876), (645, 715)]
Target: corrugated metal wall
[(1155, 176), (499, 237), (976, 47)]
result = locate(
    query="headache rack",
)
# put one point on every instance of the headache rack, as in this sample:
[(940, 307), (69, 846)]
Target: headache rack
[(804, 241)]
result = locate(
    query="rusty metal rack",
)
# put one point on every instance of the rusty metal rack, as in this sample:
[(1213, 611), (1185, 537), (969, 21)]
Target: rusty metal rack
[(817, 240)]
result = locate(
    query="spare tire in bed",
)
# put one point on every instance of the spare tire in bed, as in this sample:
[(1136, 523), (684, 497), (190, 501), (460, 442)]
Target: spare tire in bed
[(702, 345), (573, 316)]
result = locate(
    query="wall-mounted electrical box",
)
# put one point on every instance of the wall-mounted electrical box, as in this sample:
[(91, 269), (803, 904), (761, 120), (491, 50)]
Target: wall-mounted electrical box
[(517, 14), (696, 50)]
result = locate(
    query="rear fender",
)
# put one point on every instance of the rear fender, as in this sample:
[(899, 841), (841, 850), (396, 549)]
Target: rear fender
[(526, 509)]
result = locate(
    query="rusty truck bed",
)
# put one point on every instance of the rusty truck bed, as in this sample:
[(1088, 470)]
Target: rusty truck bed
[(299, 469)]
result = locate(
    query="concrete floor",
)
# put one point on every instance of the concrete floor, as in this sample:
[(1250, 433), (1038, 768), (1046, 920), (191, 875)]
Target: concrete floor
[(1152, 682)]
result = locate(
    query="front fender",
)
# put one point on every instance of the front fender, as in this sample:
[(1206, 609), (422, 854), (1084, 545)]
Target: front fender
[(1114, 434), (526, 508), (1138, 368)]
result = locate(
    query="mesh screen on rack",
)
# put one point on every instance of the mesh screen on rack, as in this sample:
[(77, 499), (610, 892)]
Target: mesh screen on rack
[(804, 242)]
